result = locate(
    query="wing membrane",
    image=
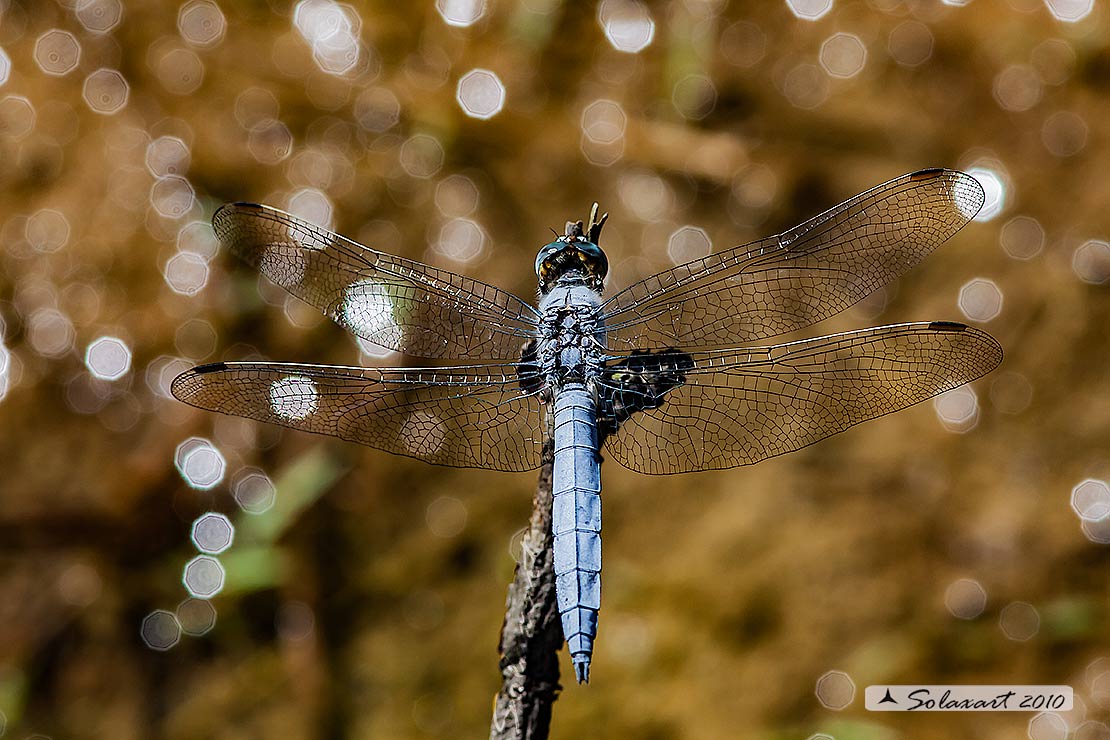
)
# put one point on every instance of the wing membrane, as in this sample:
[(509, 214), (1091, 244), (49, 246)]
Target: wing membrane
[(799, 277), (740, 406), (472, 416), (396, 303)]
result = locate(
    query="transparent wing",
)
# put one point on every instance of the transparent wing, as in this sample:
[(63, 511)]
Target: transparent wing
[(396, 303), (799, 277), (727, 408), (475, 416)]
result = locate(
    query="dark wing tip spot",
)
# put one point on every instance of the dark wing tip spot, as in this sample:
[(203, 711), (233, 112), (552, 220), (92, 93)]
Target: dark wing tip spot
[(927, 173), (212, 367), (245, 204), (947, 326)]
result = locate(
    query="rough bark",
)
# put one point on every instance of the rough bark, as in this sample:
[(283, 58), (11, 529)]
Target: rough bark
[(531, 634)]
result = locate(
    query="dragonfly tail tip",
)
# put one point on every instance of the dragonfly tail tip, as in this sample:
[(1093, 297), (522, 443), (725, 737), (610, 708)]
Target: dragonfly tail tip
[(582, 669)]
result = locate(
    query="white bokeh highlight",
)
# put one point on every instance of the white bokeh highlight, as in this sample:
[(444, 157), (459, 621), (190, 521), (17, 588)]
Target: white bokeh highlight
[(461, 13), (1070, 11), (212, 533), (1090, 499), (108, 358), (201, 23), (688, 243), (843, 55), (461, 240), (980, 300), (809, 10), (481, 94), (57, 52), (994, 187), (957, 409), (627, 24), (203, 577), (186, 273), (106, 91), (332, 31), (200, 463)]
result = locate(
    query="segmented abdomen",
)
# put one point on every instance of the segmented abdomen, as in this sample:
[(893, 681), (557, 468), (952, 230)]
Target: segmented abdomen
[(576, 522)]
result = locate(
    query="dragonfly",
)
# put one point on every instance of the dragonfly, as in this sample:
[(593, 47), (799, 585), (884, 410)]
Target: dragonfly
[(667, 375)]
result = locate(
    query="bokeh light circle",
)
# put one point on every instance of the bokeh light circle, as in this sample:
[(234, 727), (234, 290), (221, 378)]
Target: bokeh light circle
[(17, 116), (1091, 261), (1090, 499), (203, 577), (910, 43), (196, 616), (843, 55), (461, 13), (1022, 237), (1019, 621), (957, 409), (965, 598), (1070, 11), (461, 240), (481, 94), (835, 690), (57, 52), (160, 630), (253, 491), (1064, 134), (688, 243), (106, 91), (200, 463), (99, 16), (108, 358), (47, 230), (212, 533), (201, 23), (994, 187), (809, 10), (980, 300), (627, 24)]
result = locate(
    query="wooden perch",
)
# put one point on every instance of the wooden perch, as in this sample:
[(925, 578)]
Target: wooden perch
[(531, 634)]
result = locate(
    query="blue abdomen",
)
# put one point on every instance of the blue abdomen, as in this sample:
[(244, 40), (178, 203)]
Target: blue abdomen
[(576, 522)]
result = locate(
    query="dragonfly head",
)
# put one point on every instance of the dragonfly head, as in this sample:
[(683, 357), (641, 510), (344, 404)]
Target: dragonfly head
[(571, 256), (575, 254)]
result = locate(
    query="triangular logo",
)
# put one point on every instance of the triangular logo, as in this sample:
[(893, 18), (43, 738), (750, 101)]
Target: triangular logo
[(887, 698)]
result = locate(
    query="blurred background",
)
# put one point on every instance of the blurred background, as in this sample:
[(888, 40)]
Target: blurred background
[(168, 573)]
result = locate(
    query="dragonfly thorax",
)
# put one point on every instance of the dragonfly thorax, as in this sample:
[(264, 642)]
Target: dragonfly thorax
[(570, 348)]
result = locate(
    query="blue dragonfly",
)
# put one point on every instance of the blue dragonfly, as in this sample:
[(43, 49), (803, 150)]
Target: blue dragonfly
[(665, 374)]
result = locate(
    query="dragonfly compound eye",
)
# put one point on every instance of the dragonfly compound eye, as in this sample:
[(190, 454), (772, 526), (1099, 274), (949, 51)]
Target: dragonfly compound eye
[(569, 256)]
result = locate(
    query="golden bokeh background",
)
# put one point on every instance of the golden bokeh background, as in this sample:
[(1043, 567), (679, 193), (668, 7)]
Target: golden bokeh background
[(363, 593)]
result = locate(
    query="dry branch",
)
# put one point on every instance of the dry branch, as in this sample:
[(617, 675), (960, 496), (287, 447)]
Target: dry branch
[(531, 634)]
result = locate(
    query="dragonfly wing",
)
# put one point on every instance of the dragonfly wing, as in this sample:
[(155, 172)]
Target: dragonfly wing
[(799, 277), (473, 416), (725, 408), (396, 303)]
